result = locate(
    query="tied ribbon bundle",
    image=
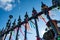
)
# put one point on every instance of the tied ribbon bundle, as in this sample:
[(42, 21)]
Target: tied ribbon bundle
[(27, 25), (20, 30), (32, 24), (43, 19)]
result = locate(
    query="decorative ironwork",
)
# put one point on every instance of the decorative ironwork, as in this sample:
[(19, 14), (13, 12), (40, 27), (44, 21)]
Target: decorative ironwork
[(45, 10)]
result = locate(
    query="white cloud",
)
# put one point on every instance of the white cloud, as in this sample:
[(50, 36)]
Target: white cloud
[(6, 4), (8, 7), (5, 1)]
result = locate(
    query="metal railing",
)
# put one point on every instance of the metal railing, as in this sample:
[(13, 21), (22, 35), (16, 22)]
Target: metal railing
[(34, 16)]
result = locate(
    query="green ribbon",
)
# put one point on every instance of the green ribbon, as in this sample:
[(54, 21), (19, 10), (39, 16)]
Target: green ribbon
[(32, 25)]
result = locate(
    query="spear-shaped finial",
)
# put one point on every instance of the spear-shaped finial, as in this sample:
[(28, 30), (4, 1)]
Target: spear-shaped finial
[(14, 23), (19, 20), (26, 15), (26, 19), (8, 23), (43, 6), (10, 16), (34, 11), (19, 25)]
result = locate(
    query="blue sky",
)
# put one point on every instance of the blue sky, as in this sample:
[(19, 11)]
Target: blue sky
[(19, 7)]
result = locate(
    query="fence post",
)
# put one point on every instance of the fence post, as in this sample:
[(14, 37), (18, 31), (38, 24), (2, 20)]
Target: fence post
[(12, 31), (19, 26), (26, 19), (35, 19)]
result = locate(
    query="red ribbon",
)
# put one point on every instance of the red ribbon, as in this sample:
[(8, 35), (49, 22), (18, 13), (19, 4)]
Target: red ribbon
[(43, 19), (21, 32)]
